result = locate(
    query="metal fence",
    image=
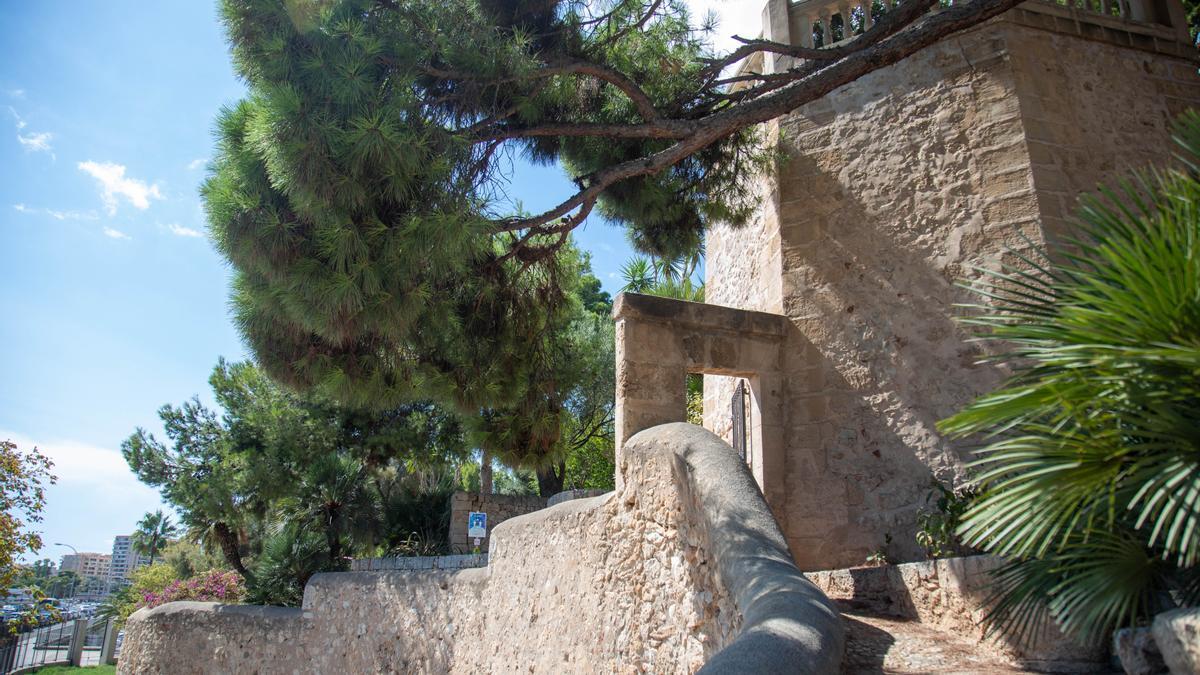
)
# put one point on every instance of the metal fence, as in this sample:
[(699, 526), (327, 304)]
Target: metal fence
[(37, 646), (80, 642)]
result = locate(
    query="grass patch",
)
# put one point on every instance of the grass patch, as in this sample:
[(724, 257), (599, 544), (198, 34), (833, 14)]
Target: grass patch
[(86, 670)]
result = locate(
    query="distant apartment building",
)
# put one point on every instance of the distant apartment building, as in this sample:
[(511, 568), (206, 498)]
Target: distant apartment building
[(87, 564), (124, 560)]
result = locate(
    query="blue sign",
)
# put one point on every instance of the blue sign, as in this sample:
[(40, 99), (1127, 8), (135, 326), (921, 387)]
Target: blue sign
[(477, 524)]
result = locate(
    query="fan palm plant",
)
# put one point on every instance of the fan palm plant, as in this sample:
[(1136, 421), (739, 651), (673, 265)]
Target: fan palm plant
[(1090, 479), (153, 532), (672, 278), (334, 497)]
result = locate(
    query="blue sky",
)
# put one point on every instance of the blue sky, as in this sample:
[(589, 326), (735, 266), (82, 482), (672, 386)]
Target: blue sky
[(114, 302)]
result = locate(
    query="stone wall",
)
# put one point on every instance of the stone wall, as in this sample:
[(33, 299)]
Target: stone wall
[(683, 565), (893, 189), (498, 508)]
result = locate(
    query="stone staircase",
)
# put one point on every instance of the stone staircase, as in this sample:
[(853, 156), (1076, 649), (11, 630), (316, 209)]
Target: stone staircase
[(883, 644)]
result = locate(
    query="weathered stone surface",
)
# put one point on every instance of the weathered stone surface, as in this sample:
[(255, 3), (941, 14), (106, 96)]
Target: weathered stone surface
[(684, 565), (1177, 635), (1137, 652)]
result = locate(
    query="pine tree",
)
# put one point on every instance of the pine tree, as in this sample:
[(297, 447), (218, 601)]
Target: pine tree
[(357, 189)]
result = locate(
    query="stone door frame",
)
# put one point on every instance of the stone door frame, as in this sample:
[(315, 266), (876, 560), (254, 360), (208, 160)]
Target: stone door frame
[(659, 341)]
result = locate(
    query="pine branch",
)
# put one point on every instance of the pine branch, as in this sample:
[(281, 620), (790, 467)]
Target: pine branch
[(808, 88)]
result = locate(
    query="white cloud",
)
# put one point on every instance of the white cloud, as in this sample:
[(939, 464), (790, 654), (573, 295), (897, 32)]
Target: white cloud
[(734, 17), (196, 163), (181, 231), (38, 142), (71, 215), (16, 93), (55, 214), (114, 184), (78, 463), (115, 234), (96, 495)]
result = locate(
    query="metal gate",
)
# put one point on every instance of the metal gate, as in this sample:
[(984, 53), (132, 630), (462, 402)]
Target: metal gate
[(740, 410)]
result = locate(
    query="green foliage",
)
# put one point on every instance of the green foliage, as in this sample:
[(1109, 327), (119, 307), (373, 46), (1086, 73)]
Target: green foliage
[(879, 556), (1192, 10), (415, 516), (153, 532), (211, 586), (23, 480), (515, 482), (937, 528), (188, 559), (592, 466), (73, 670), (373, 256), (291, 554), (1091, 477), (148, 580), (669, 278), (273, 456), (695, 399)]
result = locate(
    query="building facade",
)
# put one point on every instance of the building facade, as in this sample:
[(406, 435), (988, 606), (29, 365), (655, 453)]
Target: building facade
[(895, 189), (87, 564), (124, 560)]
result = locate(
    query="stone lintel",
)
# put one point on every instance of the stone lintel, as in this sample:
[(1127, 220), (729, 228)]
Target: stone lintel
[(699, 316)]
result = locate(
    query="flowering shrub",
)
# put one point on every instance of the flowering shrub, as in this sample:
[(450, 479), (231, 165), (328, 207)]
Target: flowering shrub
[(213, 585)]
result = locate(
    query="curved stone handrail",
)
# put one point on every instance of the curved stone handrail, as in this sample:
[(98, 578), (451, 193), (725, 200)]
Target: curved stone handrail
[(788, 624), (682, 570)]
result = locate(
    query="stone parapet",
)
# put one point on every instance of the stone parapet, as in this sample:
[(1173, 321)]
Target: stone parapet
[(428, 562), (683, 569), (568, 495)]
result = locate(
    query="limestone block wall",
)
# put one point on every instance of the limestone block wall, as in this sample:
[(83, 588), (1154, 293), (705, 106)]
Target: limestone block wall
[(1092, 111), (498, 508), (893, 189), (683, 567)]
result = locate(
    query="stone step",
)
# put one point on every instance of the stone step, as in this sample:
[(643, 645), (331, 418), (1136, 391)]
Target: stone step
[(877, 644)]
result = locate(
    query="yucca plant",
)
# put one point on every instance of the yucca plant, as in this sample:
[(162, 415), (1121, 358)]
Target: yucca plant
[(1090, 479)]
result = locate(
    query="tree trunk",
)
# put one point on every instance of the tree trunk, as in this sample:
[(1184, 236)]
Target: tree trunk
[(485, 473), (550, 480), (229, 547), (334, 539)]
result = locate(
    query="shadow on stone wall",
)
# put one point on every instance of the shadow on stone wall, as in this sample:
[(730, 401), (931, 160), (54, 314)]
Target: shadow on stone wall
[(872, 308)]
